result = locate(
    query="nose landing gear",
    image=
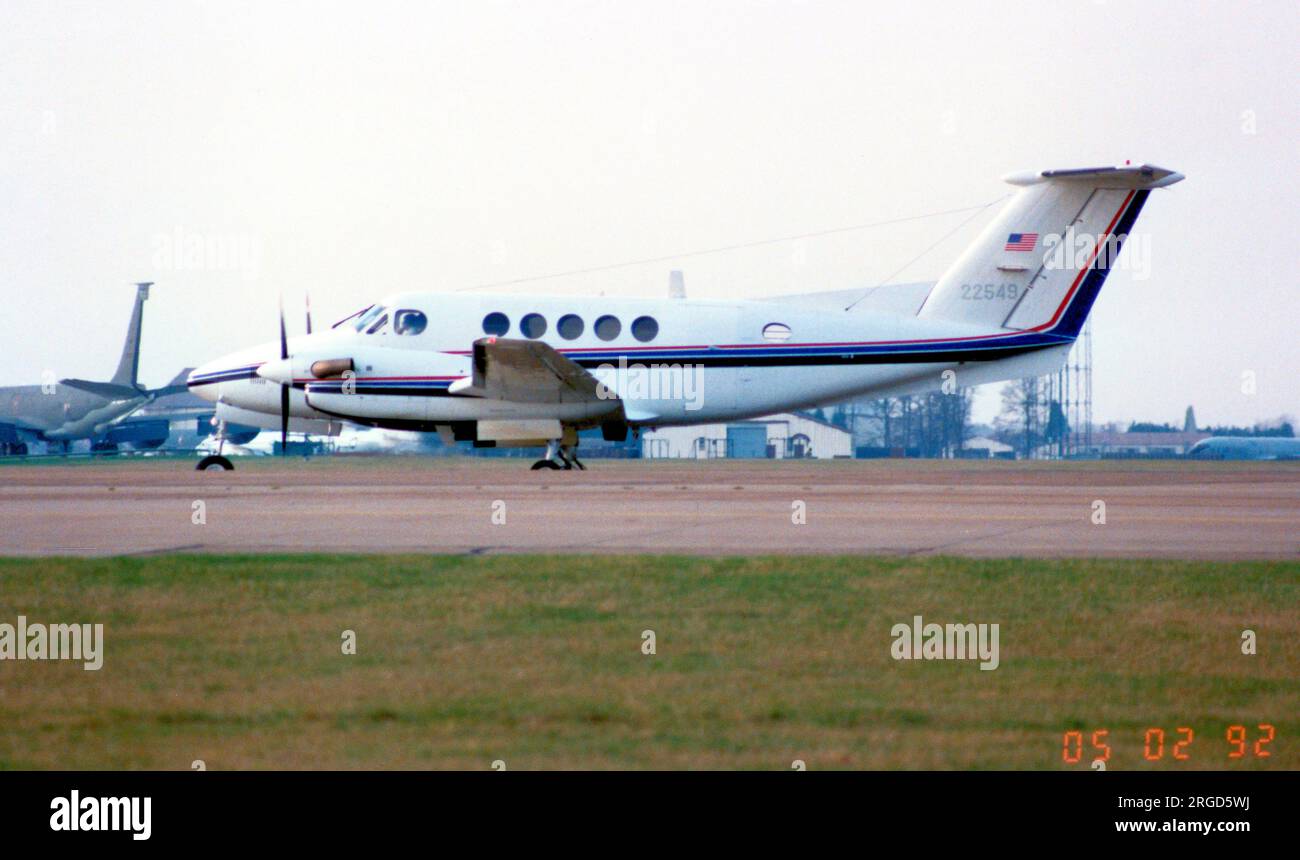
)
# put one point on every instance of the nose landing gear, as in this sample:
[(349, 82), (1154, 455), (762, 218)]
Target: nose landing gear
[(215, 461)]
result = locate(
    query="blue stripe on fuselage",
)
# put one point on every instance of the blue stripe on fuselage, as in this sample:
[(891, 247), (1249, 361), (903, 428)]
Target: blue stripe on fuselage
[(233, 374), (989, 348)]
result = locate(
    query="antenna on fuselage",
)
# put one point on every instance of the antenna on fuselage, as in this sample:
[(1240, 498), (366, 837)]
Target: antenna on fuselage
[(676, 285)]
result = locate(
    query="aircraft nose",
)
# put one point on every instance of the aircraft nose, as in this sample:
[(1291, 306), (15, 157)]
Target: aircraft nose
[(200, 381), (207, 380)]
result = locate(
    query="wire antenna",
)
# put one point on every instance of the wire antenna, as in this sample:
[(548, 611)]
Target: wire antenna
[(928, 249), (737, 247)]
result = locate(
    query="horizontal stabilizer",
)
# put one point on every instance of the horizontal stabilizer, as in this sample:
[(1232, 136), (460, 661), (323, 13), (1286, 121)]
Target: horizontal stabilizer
[(1143, 176), (109, 390)]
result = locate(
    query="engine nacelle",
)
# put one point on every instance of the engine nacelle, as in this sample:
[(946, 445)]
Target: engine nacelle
[(316, 427)]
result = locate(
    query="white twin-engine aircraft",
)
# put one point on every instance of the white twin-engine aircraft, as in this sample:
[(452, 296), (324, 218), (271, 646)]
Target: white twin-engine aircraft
[(532, 370)]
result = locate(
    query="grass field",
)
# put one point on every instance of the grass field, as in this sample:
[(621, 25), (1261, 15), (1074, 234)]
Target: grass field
[(537, 661)]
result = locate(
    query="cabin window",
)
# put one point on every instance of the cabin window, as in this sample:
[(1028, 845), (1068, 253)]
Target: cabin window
[(409, 322), (608, 327), (570, 326), (533, 325), (645, 329), (383, 321), (777, 332), (496, 323)]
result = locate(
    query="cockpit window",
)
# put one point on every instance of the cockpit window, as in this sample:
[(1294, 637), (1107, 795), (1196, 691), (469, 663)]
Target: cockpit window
[(368, 317), (382, 321), (409, 322), (352, 316)]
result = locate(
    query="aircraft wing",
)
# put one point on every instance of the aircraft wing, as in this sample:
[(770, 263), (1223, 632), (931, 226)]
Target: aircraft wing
[(527, 371)]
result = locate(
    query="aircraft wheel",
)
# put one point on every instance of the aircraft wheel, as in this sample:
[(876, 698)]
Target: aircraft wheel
[(214, 462), (544, 464)]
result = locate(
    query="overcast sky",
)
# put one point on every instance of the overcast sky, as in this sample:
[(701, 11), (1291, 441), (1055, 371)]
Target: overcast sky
[(351, 150)]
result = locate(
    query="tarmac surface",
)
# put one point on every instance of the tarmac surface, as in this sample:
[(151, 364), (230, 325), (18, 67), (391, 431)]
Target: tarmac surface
[(1158, 509)]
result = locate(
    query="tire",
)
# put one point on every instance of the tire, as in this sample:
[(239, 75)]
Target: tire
[(213, 461)]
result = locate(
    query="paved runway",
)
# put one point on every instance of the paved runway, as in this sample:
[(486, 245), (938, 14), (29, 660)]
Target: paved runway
[(1190, 510)]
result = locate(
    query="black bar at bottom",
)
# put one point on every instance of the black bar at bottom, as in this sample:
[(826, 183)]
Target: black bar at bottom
[(332, 809)]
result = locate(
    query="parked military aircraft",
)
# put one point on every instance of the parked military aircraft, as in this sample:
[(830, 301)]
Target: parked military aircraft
[(1246, 448), (108, 414), (72, 409)]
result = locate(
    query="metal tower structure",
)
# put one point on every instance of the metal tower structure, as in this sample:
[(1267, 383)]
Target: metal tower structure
[(1071, 387)]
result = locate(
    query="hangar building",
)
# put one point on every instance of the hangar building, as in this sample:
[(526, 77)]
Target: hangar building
[(784, 436)]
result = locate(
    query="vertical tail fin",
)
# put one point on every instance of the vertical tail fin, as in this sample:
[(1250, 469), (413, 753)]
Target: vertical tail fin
[(1041, 263), (129, 365)]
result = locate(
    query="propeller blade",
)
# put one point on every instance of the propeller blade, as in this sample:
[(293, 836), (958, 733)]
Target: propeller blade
[(284, 389), (284, 337), (284, 420), (308, 312)]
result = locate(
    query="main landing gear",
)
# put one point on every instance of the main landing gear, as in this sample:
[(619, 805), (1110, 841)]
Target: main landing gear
[(567, 455)]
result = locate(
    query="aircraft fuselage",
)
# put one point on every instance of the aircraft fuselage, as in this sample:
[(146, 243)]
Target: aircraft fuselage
[(699, 360)]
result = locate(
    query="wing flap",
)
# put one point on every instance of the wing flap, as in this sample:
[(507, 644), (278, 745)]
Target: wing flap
[(529, 371)]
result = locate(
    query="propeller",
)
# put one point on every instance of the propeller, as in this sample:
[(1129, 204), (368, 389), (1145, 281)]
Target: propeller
[(282, 372), (284, 389)]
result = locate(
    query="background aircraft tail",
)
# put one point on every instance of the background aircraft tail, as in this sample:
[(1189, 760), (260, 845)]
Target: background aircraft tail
[(1041, 263), (129, 365), (123, 385)]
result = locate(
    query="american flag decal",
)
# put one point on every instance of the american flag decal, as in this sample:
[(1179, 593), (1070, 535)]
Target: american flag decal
[(1021, 242)]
